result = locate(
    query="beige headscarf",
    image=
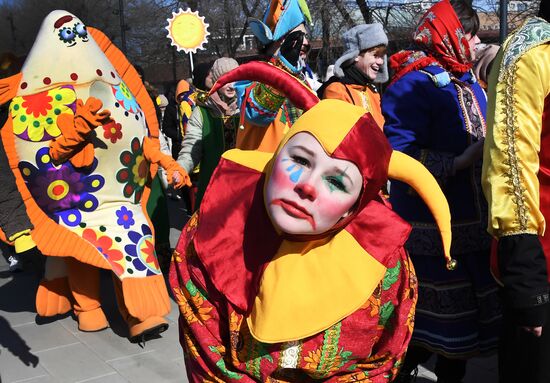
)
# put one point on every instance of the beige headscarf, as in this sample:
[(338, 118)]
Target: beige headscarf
[(484, 61)]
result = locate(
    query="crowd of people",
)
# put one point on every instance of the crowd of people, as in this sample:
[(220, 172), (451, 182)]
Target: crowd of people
[(335, 233)]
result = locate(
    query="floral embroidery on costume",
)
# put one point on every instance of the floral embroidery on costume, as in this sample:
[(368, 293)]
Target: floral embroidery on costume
[(252, 352), (191, 295), (125, 217), (112, 131), (534, 32), (125, 98), (104, 244), (34, 116), (221, 364), (134, 174), (142, 251), (62, 192)]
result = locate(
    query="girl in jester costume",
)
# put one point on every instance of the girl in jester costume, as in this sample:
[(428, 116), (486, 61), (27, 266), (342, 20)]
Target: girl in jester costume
[(306, 277), (84, 174)]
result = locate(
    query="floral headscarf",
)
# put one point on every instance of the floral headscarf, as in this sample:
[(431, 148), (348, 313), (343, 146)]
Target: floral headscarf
[(439, 39)]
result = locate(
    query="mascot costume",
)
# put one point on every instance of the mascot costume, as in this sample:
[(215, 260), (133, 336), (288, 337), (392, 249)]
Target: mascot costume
[(82, 142)]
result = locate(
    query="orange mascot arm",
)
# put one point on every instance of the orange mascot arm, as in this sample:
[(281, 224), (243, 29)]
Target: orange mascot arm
[(74, 144), (151, 145), (151, 151)]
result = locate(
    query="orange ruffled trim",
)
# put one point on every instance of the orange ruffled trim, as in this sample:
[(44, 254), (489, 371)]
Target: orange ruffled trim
[(131, 77), (143, 297)]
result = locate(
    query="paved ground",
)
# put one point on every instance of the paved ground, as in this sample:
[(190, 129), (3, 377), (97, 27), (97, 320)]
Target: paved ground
[(36, 350)]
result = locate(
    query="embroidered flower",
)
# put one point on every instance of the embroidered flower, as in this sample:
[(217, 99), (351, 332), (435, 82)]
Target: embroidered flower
[(37, 104), (191, 348), (125, 98), (134, 173), (34, 116), (313, 359), (192, 223), (104, 245), (141, 252), (62, 192), (125, 217), (112, 131)]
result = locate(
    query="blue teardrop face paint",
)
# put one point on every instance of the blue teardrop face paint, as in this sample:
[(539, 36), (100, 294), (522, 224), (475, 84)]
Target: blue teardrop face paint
[(295, 175), (294, 170)]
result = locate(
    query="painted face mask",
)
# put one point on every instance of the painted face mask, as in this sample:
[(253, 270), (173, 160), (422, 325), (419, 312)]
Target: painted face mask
[(308, 191)]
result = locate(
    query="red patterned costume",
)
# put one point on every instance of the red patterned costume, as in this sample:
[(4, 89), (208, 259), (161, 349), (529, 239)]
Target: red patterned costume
[(260, 305)]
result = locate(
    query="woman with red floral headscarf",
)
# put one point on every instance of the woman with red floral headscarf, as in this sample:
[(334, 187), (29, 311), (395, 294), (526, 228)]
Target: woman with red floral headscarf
[(435, 111)]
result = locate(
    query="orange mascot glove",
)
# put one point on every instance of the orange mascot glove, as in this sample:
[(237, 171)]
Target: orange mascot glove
[(175, 174), (73, 144)]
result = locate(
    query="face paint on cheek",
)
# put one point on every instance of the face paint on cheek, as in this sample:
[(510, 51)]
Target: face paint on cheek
[(331, 208), (294, 170), (281, 179), (295, 175)]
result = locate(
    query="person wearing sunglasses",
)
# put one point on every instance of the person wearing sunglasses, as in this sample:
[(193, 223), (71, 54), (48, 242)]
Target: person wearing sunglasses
[(266, 114)]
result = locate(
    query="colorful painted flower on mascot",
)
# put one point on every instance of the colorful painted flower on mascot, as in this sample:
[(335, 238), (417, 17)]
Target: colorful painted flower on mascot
[(134, 173), (125, 98), (112, 131), (141, 252), (62, 192), (104, 245), (125, 217), (34, 116)]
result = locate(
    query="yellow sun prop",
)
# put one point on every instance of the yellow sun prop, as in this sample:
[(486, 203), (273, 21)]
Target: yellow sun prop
[(187, 30)]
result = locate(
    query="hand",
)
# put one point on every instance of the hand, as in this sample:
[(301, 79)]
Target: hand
[(469, 156), (89, 111), (291, 47), (176, 179), (536, 330)]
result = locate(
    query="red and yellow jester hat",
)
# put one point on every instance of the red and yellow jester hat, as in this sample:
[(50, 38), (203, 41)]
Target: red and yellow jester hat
[(352, 136)]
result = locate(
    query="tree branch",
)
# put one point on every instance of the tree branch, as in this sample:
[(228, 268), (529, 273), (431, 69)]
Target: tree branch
[(343, 11)]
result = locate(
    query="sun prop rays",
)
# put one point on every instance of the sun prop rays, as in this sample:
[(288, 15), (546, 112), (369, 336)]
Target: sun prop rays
[(187, 30)]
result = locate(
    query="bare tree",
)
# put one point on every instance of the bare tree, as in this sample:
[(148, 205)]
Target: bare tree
[(365, 10), (518, 11), (340, 6)]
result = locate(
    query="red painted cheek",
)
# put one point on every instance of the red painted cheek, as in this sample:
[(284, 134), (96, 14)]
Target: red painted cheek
[(281, 179), (329, 205)]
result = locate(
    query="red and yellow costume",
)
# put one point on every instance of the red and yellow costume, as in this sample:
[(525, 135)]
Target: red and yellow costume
[(260, 305)]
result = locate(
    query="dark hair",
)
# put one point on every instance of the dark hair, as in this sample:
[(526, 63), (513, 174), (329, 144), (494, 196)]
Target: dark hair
[(467, 15), (544, 10), (200, 72)]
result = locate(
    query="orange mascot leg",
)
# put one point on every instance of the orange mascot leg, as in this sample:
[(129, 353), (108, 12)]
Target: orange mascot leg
[(54, 295), (84, 284), (138, 330)]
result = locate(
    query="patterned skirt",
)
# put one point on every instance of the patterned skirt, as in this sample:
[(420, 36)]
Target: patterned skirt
[(458, 312)]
